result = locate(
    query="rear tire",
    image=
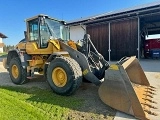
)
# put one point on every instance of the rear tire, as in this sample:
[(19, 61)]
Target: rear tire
[(17, 73), (64, 75)]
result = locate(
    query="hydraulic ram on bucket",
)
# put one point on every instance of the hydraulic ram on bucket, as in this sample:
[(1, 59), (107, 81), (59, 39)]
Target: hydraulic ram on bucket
[(127, 89)]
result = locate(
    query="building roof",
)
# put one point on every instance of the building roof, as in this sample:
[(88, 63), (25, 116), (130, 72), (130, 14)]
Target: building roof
[(134, 11), (2, 35)]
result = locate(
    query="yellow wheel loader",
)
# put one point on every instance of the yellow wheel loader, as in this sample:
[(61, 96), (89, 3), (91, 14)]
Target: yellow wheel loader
[(64, 63)]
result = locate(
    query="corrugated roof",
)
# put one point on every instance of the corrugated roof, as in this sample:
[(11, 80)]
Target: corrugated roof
[(118, 12), (2, 35)]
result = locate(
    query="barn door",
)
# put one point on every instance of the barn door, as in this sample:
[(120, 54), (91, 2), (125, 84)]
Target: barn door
[(99, 36), (124, 38)]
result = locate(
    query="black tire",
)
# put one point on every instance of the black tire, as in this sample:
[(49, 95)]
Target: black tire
[(73, 73), (22, 73)]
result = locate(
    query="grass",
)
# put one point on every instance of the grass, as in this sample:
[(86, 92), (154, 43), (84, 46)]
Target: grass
[(34, 104), (3, 54)]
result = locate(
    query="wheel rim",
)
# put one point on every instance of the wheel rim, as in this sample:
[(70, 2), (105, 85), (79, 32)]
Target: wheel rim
[(15, 71), (59, 77)]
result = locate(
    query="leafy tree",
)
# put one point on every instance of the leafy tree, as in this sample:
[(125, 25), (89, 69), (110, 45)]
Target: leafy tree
[(6, 48)]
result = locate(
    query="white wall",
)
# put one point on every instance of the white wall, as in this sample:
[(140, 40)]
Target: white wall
[(1, 49), (153, 36), (77, 32)]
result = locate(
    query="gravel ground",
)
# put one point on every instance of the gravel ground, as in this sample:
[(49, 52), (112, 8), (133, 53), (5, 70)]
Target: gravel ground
[(5, 80)]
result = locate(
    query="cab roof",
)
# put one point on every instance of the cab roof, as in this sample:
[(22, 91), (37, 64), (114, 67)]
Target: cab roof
[(41, 15)]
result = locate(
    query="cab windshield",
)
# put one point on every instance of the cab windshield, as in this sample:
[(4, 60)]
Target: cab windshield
[(57, 29)]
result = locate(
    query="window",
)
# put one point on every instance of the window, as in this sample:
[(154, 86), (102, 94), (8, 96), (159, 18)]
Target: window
[(44, 34), (33, 30), (59, 31)]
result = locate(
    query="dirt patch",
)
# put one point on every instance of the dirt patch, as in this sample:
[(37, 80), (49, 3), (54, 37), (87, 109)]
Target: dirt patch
[(92, 109)]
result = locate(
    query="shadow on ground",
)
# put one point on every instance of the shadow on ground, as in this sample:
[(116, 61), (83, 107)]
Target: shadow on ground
[(2, 57), (150, 65)]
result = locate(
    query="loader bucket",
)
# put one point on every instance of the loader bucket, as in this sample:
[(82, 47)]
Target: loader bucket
[(127, 89)]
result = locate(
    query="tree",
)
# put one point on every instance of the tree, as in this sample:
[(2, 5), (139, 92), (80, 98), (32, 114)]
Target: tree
[(6, 48)]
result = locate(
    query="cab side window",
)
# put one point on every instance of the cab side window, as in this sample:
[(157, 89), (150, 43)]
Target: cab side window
[(33, 30), (44, 34)]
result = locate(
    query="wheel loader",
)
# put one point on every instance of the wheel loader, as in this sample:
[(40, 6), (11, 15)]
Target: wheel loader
[(64, 63)]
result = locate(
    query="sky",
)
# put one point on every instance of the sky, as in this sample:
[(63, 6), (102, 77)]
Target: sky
[(14, 12)]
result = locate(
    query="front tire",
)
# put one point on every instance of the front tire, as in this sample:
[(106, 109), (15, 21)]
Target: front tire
[(64, 75), (17, 73)]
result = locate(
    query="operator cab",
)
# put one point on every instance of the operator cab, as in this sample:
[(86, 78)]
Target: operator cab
[(42, 28)]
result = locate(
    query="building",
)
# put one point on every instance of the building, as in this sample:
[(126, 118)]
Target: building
[(120, 33), (2, 36)]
